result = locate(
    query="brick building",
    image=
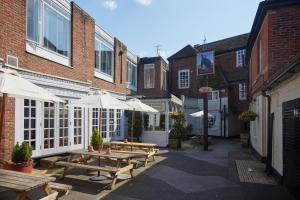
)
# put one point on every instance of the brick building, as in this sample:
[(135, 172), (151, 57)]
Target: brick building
[(153, 89), (274, 62), (229, 80), (58, 46)]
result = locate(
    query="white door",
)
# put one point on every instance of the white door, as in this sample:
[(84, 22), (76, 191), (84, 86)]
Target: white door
[(27, 125), (63, 138), (48, 129), (77, 128)]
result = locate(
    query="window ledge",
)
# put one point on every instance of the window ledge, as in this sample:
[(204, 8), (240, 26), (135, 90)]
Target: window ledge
[(37, 50), (103, 76), (132, 87)]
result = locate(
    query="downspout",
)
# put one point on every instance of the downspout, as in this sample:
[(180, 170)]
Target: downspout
[(268, 168), (221, 117)]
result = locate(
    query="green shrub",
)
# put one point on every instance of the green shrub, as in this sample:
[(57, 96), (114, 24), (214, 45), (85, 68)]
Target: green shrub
[(189, 129), (96, 138), (21, 153)]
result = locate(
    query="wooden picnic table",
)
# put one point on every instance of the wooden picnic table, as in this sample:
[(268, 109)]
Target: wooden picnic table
[(114, 169), (143, 149), (22, 183)]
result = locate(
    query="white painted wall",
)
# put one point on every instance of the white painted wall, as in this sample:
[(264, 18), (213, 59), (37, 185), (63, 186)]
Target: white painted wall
[(286, 91), (258, 128), (161, 138)]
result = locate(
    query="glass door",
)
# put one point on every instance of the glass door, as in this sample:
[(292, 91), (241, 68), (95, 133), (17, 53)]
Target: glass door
[(78, 128), (48, 128), (63, 128)]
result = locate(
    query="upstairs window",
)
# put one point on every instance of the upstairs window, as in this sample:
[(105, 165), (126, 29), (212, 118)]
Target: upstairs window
[(48, 25), (183, 79), (242, 91), (240, 58), (131, 73), (149, 76), (164, 79), (214, 95), (104, 57)]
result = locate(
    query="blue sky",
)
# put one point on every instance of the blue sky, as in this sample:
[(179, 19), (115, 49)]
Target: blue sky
[(143, 24)]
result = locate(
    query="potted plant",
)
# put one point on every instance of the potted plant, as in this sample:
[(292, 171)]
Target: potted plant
[(21, 159), (96, 140), (247, 116), (178, 131)]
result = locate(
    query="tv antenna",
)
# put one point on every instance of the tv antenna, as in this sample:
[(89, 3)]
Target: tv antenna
[(158, 48)]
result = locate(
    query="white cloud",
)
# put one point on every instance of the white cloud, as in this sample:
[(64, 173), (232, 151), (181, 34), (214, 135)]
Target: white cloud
[(144, 2), (143, 54), (110, 4)]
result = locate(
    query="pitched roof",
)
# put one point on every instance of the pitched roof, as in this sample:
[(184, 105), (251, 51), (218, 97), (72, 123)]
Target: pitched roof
[(225, 45), (186, 51)]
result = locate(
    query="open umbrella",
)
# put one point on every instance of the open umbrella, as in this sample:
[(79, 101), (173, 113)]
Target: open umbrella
[(13, 85), (200, 114), (137, 105), (101, 99)]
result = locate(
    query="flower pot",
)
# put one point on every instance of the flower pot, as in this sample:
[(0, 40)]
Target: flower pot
[(245, 137), (25, 167), (98, 147), (173, 143)]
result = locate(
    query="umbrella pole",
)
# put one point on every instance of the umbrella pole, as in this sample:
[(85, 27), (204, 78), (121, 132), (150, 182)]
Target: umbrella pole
[(132, 124), (2, 115)]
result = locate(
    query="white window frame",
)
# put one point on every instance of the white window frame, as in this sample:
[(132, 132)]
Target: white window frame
[(214, 95), (37, 48), (242, 91), (147, 67), (260, 57), (179, 78), (98, 73), (240, 57), (130, 85), (212, 122)]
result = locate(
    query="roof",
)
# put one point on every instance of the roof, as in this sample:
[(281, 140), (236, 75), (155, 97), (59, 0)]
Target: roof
[(186, 51), (146, 60), (263, 7), (225, 45)]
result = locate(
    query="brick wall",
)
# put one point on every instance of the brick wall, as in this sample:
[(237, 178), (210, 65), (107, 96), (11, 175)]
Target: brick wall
[(280, 41), (158, 90), (8, 133)]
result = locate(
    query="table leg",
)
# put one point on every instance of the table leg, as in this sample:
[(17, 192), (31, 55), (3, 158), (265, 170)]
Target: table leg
[(47, 189), (66, 168), (21, 196)]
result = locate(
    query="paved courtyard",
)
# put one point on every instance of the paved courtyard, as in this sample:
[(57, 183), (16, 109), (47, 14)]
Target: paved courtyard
[(195, 174), (188, 174)]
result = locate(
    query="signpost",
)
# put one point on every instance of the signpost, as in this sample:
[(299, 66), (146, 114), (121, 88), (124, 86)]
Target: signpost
[(204, 91)]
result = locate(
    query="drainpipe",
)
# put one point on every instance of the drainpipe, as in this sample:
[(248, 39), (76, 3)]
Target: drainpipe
[(268, 168), (221, 117), (224, 110)]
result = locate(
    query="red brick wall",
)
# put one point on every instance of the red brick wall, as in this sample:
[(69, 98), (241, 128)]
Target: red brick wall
[(280, 38), (8, 133), (13, 42), (120, 73), (158, 90), (179, 64)]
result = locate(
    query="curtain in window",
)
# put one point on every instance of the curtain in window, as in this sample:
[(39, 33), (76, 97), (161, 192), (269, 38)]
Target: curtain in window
[(106, 60), (56, 32), (150, 77), (33, 17)]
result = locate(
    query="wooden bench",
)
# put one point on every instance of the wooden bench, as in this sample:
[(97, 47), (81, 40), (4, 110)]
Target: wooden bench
[(51, 196), (62, 189), (145, 154), (113, 171)]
